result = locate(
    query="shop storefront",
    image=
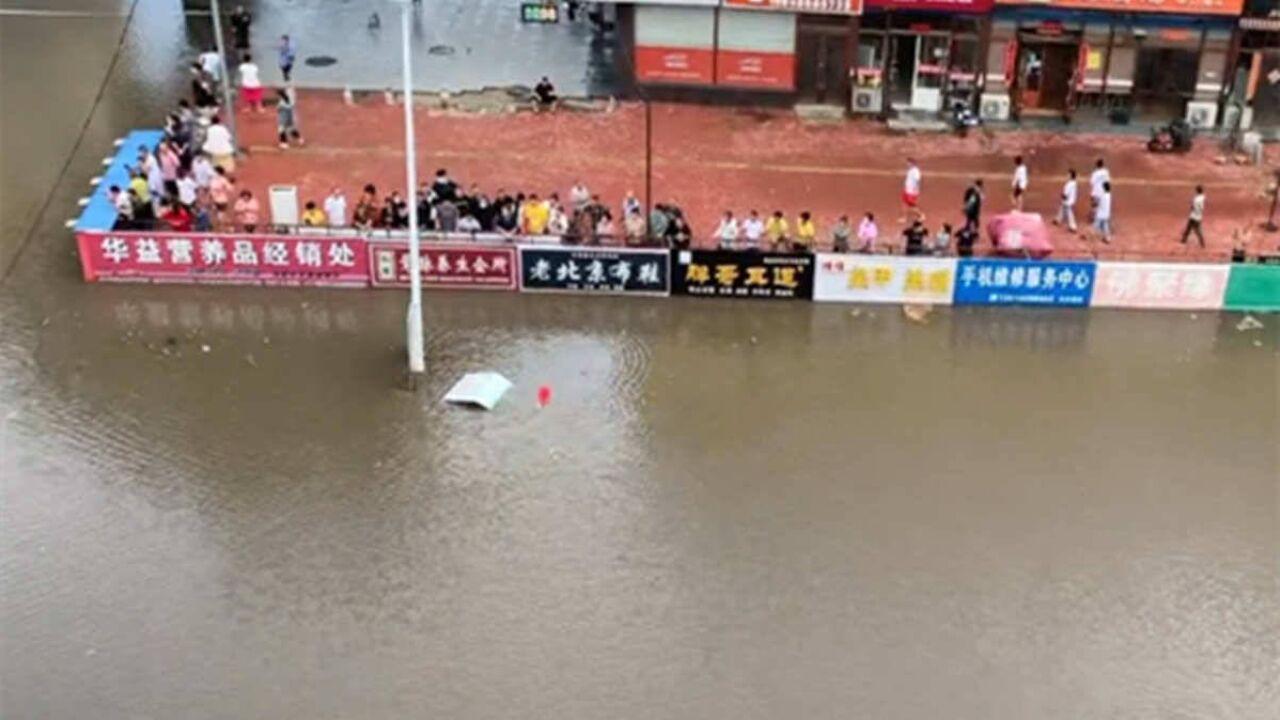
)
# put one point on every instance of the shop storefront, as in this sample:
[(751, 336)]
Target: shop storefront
[(793, 49), (1112, 60), (1254, 100), (919, 55)]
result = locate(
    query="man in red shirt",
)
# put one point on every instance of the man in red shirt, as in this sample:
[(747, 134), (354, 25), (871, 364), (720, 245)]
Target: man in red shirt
[(177, 217)]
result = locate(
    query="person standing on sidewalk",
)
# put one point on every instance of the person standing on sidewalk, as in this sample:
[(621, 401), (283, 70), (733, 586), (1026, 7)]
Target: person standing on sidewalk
[(1067, 210), (250, 83), (240, 22), (1021, 178), (287, 120), (727, 232), (1099, 177), (973, 203), (288, 52), (911, 191), (1195, 217), (1102, 214), (335, 206)]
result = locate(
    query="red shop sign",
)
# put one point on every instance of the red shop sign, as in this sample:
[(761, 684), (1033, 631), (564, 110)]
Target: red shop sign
[(444, 266), (223, 258), (691, 66), (752, 69), (961, 6)]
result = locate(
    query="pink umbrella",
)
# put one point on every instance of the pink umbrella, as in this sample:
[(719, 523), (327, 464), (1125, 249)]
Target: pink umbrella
[(1017, 234)]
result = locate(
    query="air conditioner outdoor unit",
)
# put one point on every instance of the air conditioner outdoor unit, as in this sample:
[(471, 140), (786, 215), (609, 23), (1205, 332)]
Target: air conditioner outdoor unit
[(1201, 115), (866, 100), (995, 107)]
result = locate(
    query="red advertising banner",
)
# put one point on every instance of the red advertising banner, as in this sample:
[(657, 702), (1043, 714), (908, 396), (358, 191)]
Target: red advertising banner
[(674, 65), (961, 6), (134, 256), (478, 267), (828, 7), (748, 68), (1182, 7)]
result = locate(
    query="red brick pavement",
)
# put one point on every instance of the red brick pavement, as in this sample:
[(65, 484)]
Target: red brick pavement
[(711, 159)]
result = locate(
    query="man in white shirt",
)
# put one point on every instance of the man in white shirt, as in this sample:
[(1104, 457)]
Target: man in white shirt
[(1020, 181), (911, 191), (186, 188), (579, 196), (1067, 211), (1099, 177), (335, 207), (211, 62), (727, 232), (1195, 217), (1102, 214), (202, 170), (753, 230), (217, 143)]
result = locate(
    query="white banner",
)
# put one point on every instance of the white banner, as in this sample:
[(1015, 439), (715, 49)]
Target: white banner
[(883, 278)]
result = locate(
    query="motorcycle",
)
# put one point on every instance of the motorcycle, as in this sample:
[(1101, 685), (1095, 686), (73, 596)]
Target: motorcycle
[(1176, 137), (963, 118)]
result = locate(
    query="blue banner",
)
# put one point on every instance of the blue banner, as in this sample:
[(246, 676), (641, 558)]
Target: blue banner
[(991, 281)]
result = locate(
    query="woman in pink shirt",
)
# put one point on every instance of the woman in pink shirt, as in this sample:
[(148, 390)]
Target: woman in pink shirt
[(867, 234), (169, 161), (246, 210)]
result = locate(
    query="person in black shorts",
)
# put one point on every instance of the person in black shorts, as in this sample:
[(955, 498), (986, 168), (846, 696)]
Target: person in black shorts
[(544, 96)]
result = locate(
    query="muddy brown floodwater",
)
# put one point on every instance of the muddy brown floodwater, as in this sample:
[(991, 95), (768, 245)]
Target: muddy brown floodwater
[(729, 510)]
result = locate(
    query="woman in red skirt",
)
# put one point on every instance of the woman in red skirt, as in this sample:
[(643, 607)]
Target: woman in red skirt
[(250, 84)]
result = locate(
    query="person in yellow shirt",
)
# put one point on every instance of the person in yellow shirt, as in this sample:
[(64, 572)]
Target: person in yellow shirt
[(139, 187), (806, 233), (313, 216), (777, 231), (536, 214)]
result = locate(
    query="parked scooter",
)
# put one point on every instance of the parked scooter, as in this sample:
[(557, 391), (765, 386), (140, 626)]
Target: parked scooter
[(963, 117), (1176, 137)]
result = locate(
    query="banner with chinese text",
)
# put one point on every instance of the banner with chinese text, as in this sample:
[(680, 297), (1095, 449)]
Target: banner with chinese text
[(594, 270), (228, 259), (444, 266), (993, 281), (722, 273), (1160, 285), (883, 278)]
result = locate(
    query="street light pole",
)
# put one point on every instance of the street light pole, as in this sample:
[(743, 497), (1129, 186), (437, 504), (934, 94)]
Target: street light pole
[(413, 322), (227, 102)]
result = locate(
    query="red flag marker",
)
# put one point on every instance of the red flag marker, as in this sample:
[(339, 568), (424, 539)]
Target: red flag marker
[(544, 395)]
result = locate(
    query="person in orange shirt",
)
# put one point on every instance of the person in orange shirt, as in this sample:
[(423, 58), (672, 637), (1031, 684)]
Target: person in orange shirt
[(806, 233)]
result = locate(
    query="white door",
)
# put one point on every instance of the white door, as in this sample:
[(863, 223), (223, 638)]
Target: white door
[(931, 68)]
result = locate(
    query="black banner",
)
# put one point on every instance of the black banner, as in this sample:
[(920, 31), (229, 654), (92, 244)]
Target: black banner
[(722, 273), (599, 270)]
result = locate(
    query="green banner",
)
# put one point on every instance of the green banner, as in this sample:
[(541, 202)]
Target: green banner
[(1253, 287)]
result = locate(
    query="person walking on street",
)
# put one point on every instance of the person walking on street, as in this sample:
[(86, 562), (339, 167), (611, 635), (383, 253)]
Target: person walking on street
[(287, 120), (1097, 179), (911, 191), (240, 22), (288, 52), (251, 90), (727, 232), (1067, 210), (1195, 217), (1102, 214), (973, 196), (1021, 178)]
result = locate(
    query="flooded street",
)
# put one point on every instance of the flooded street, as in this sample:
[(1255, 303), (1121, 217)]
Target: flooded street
[(728, 510)]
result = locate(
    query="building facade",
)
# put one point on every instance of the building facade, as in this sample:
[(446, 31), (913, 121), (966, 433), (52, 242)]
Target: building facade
[(1107, 61)]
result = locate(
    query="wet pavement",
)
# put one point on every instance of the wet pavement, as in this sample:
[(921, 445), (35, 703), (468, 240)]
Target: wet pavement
[(729, 510)]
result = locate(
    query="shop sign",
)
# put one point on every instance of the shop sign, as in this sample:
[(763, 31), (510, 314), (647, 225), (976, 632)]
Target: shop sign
[(963, 6), (688, 66), (990, 281), (764, 70), (224, 258), (871, 278), (594, 270), (722, 273), (1177, 286), (1253, 287), (1181, 7), (540, 13), (444, 266), (820, 7)]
